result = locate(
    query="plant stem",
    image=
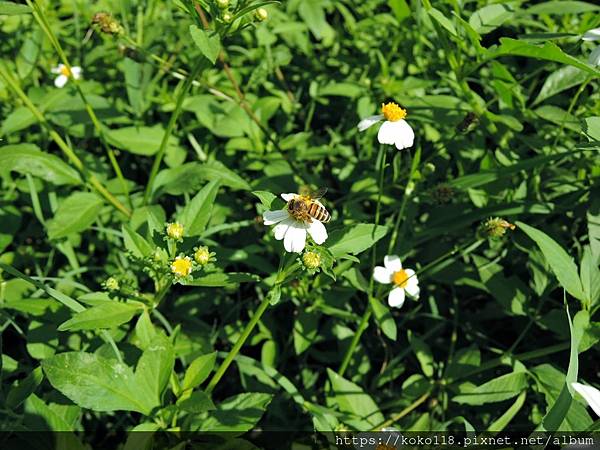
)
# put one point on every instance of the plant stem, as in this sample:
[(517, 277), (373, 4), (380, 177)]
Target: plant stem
[(238, 345), (364, 322), (404, 412), (42, 21), (67, 150), (172, 121)]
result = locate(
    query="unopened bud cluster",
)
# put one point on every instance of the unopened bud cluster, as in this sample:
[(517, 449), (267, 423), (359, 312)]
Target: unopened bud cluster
[(107, 23)]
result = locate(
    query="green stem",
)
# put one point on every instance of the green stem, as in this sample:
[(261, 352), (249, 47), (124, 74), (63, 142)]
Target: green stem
[(364, 322), (42, 21), (404, 412), (69, 153), (571, 106), (264, 304), (172, 121)]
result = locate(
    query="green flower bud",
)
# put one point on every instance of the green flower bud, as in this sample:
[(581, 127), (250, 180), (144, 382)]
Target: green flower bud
[(261, 14), (111, 284), (223, 4), (202, 256), (311, 260)]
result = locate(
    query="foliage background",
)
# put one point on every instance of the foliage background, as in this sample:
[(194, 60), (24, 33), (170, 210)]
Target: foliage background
[(488, 345)]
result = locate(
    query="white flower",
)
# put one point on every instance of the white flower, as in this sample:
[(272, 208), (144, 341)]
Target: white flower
[(403, 279), (590, 394), (64, 74), (591, 35), (292, 226), (395, 130)]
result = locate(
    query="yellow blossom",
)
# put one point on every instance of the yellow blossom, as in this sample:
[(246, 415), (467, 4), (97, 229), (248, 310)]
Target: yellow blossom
[(175, 231), (182, 266)]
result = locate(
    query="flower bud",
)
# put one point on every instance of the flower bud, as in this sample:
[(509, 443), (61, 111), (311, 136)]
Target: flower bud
[(227, 17), (311, 260), (428, 169), (111, 284), (202, 256), (495, 227), (175, 231), (223, 4), (261, 14)]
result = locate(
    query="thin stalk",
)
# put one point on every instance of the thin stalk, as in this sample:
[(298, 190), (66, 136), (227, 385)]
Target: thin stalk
[(66, 149), (170, 126), (262, 307), (404, 412), (571, 106), (364, 322), (42, 21)]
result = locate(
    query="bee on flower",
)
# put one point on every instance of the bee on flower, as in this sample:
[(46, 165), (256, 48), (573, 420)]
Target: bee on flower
[(404, 280), (303, 214), (394, 130), (64, 74)]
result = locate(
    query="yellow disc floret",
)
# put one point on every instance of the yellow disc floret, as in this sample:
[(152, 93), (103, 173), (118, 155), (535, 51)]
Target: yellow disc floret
[(400, 278), (392, 112), (181, 266), (64, 70)]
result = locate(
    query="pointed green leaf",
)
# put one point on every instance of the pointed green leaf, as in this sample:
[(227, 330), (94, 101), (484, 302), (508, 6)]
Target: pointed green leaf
[(106, 315), (196, 214), (208, 42)]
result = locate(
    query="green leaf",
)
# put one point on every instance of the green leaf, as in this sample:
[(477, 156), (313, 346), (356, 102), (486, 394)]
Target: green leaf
[(590, 276), (356, 239), (501, 422), (548, 52), (223, 279), (560, 7), (558, 411), (135, 243), (196, 214), (495, 390), (384, 318), (441, 18), (591, 127), (559, 81), (10, 221), (208, 42), (198, 371), (95, 382), (24, 388), (107, 315), (144, 331), (558, 259), (237, 414), (490, 17), (196, 403), (154, 369), (351, 399), (143, 141), (216, 170), (74, 215), (306, 327), (400, 8), (422, 352), (13, 9), (266, 198), (28, 158)]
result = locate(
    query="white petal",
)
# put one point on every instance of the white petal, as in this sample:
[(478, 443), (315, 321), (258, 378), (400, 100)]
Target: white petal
[(405, 136), (392, 263), (590, 394), (57, 69), (288, 197), (271, 217), (317, 231), (60, 81), (295, 238), (591, 35), (412, 287), (594, 58), (76, 71), (382, 275), (281, 228), (396, 298), (369, 121)]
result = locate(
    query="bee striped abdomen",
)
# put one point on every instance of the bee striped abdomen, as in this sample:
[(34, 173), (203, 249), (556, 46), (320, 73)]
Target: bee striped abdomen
[(318, 212)]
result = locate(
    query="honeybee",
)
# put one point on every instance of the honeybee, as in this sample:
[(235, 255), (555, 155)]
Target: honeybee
[(307, 206)]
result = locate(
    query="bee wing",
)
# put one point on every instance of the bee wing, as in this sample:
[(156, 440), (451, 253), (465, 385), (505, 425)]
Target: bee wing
[(316, 195)]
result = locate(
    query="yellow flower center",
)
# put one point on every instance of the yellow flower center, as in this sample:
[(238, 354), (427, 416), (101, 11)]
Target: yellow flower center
[(400, 278), (392, 112), (64, 70), (181, 267)]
